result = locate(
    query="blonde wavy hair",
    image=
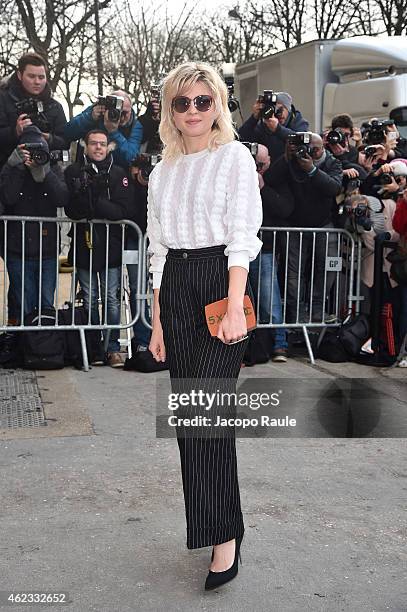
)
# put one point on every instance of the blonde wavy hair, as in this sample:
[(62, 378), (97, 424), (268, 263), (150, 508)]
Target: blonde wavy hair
[(177, 83)]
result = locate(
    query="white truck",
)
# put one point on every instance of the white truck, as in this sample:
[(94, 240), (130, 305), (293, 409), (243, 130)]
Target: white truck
[(364, 76)]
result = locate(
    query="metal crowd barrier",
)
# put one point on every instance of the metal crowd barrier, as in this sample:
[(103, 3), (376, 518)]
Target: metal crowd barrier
[(304, 262), (67, 294), (317, 274), (308, 274)]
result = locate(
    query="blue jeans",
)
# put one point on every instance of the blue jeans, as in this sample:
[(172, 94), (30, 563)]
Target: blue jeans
[(113, 300), (31, 285), (142, 334), (268, 286)]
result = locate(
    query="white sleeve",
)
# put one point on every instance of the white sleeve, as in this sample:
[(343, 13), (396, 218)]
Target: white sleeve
[(156, 249), (244, 209)]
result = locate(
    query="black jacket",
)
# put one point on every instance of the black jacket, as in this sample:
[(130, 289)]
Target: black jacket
[(278, 205), (22, 196), (314, 196), (138, 208), (12, 92), (254, 130), (111, 201)]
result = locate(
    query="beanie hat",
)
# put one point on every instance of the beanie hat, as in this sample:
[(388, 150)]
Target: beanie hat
[(285, 99), (376, 214), (32, 135), (399, 168)]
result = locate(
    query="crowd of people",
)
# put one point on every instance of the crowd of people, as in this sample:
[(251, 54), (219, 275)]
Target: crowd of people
[(349, 176)]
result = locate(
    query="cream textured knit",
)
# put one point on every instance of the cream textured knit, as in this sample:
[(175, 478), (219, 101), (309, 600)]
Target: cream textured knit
[(205, 199)]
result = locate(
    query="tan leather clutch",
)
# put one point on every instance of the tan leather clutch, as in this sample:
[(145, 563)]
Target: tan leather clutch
[(215, 312)]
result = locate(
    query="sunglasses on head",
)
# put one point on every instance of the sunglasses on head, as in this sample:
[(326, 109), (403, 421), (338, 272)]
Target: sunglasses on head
[(202, 103)]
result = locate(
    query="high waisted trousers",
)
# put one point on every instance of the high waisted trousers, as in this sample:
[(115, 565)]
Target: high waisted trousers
[(191, 279)]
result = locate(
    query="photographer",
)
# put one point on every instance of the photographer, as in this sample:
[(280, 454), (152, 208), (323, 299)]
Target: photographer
[(399, 170), (274, 117), (369, 216), (142, 359), (99, 190), (150, 121), (120, 123), (337, 141), (26, 99), (30, 187), (278, 204), (380, 181), (315, 178)]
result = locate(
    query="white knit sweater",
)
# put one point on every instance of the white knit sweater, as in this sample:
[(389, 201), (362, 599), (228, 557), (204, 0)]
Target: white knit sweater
[(205, 199)]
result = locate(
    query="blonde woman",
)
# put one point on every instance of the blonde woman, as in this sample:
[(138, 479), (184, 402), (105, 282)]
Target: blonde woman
[(204, 212)]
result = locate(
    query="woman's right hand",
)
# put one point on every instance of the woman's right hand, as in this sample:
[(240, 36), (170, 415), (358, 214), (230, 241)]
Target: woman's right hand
[(157, 346)]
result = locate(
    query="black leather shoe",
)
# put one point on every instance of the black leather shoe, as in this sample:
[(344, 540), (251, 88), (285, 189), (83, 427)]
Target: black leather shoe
[(216, 579)]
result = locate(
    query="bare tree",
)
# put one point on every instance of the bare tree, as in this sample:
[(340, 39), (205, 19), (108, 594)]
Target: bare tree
[(238, 35), (288, 21), (52, 27), (78, 69), (152, 42), (394, 15), (335, 18), (12, 43), (366, 18)]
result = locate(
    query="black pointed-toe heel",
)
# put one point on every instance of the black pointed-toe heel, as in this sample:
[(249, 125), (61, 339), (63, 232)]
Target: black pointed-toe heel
[(216, 579)]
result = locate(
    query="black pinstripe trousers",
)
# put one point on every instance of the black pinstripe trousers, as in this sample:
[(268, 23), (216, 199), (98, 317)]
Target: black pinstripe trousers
[(191, 279)]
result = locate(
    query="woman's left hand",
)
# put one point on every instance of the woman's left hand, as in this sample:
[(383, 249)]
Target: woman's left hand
[(233, 326)]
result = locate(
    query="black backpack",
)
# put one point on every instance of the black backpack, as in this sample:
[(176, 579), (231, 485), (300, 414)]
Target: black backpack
[(257, 350), (42, 350), (344, 343), (72, 341)]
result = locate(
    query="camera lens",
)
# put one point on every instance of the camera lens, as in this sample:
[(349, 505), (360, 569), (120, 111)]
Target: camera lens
[(233, 105), (40, 157), (335, 137), (386, 178), (114, 114)]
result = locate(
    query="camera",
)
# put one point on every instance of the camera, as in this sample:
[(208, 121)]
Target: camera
[(351, 185), (146, 163), (374, 133), (38, 153), (386, 178), (91, 177), (34, 109), (269, 99), (59, 156), (302, 142), (155, 92), (253, 148), (370, 151), (29, 106), (358, 216), (335, 137), (155, 96), (113, 105), (233, 102)]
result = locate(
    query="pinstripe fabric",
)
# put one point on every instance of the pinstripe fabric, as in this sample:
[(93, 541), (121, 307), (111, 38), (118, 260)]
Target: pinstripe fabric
[(208, 465)]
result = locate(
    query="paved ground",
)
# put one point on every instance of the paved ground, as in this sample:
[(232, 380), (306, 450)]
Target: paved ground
[(92, 504)]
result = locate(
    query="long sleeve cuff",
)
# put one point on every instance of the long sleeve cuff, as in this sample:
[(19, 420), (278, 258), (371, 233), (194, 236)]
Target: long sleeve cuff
[(239, 258), (157, 276)]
